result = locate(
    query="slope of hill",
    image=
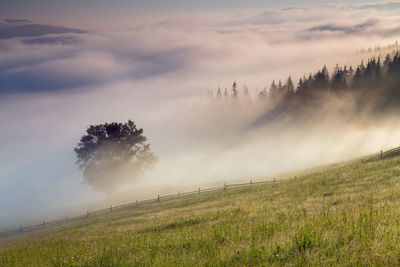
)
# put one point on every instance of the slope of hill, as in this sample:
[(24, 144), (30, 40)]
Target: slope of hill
[(346, 214)]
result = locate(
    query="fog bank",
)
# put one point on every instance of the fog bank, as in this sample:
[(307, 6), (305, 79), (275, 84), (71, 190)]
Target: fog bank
[(156, 73)]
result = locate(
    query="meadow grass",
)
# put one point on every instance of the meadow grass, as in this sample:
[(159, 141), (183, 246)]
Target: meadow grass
[(347, 214)]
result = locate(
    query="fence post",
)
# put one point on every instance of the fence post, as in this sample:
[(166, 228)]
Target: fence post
[(251, 182), (111, 208), (274, 179), (225, 187), (381, 154), (362, 160), (158, 198)]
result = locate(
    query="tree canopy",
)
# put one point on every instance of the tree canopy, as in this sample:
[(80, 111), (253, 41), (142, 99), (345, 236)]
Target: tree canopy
[(113, 153)]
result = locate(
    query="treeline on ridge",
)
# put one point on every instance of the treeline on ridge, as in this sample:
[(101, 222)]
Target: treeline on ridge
[(375, 84)]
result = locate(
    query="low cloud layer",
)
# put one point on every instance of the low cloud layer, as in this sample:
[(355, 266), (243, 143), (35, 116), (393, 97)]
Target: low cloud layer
[(384, 5), (52, 87), (350, 29)]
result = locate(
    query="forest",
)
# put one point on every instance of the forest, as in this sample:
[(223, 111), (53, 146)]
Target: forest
[(370, 88)]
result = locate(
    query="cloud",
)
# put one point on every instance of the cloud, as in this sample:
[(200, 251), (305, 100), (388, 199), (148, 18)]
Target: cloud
[(275, 17), (171, 46), (34, 30), (8, 23), (68, 62), (348, 29), (79, 70), (53, 40), (385, 5), (373, 27), (263, 18), (17, 21)]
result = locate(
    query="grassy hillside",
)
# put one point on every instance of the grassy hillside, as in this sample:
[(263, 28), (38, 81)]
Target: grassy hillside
[(348, 214)]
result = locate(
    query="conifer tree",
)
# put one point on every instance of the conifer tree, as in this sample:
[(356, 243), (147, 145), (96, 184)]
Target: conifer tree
[(219, 93), (235, 93), (289, 87), (338, 82), (261, 96), (226, 95), (273, 90), (321, 79)]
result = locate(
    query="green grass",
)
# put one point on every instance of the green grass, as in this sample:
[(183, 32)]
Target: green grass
[(347, 214)]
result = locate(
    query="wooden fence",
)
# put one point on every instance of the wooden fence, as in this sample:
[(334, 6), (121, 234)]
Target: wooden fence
[(384, 155), (89, 214)]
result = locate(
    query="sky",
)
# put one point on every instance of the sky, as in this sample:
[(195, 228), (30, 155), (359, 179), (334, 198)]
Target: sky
[(153, 61), (105, 13), (134, 7)]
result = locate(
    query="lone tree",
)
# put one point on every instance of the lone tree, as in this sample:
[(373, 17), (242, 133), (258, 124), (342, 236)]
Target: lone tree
[(113, 153)]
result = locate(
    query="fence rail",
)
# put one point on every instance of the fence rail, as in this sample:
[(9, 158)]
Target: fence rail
[(384, 155), (89, 214)]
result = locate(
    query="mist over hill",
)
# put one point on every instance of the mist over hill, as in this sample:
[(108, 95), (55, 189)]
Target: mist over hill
[(367, 91)]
